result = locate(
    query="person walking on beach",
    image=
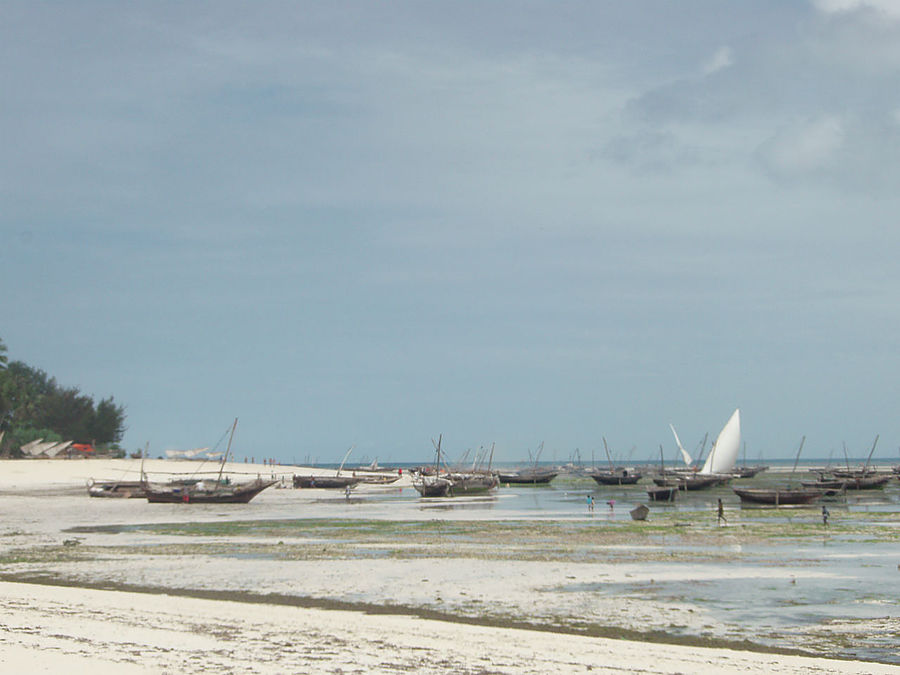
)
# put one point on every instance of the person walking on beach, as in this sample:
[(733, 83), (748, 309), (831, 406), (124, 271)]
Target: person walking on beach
[(590, 503), (825, 515), (720, 514)]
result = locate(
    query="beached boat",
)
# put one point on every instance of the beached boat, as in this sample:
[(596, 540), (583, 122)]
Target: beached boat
[(872, 481), (778, 497), (120, 489), (206, 491), (781, 496), (335, 482), (431, 486), (327, 482), (614, 475), (528, 476), (749, 471), (663, 494), (533, 475), (471, 483), (690, 481)]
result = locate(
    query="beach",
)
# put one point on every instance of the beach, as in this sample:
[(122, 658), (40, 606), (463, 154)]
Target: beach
[(378, 581)]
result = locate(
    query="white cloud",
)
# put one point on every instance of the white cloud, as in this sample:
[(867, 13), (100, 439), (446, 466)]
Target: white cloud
[(890, 8), (723, 58), (807, 148)]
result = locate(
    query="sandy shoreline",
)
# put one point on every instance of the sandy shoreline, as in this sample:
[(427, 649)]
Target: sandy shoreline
[(85, 628)]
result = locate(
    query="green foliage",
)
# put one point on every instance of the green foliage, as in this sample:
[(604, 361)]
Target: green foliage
[(33, 405)]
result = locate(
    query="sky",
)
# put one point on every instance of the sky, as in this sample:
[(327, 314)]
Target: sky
[(363, 225)]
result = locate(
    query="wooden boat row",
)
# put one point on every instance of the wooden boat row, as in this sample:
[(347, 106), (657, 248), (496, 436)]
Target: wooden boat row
[(444, 483), (870, 481)]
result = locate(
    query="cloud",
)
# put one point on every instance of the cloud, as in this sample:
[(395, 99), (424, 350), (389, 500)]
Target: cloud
[(805, 148), (723, 58), (889, 8)]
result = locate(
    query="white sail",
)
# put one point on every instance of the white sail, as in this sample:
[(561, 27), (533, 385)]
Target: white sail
[(54, 450), (26, 449), (724, 453), (684, 453)]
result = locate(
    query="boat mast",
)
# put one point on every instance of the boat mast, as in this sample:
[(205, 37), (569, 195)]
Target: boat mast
[(227, 450), (344, 460), (609, 459), (790, 480), (866, 467)]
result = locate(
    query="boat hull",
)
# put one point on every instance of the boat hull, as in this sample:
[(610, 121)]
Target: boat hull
[(777, 497), (328, 482), (192, 494), (616, 478), (663, 494), (527, 478)]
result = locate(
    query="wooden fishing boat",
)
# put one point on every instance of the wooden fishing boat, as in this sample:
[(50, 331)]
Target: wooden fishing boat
[(787, 496), (335, 482), (870, 481), (749, 471), (206, 492), (471, 483), (690, 481), (616, 477), (378, 479), (662, 494), (118, 489), (432, 486), (528, 476), (327, 482), (778, 497)]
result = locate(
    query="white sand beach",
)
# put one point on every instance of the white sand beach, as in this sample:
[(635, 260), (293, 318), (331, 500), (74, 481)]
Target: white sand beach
[(134, 605)]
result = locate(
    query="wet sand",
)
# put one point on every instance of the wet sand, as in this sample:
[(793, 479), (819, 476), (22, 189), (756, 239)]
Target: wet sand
[(302, 581)]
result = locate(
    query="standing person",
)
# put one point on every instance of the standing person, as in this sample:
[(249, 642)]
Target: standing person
[(825, 515), (720, 514)]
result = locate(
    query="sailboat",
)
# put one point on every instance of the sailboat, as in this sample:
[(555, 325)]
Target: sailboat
[(324, 481), (433, 485), (532, 475), (615, 475), (724, 454), (218, 491)]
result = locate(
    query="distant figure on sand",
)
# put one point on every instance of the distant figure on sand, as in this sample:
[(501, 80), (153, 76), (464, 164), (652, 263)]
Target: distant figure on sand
[(720, 515), (825, 515), (590, 502)]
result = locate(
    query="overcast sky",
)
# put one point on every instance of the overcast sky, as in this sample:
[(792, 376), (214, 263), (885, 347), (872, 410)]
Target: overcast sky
[(370, 223)]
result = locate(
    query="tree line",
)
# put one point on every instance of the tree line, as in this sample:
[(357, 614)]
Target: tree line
[(33, 405)]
